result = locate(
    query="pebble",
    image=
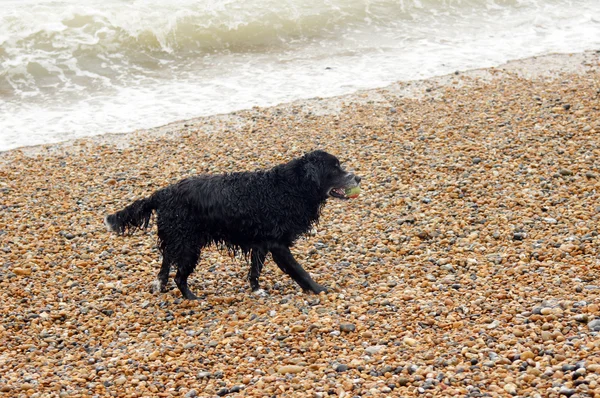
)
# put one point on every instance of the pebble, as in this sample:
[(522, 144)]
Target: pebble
[(583, 318), (565, 172), (510, 388), (375, 349), (22, 271), (519, 235), (120, 381), (566, 391), (447, 267), (527, 355), (290, 369), (340, 367), (347, 327), (594, 325), (493, 325)]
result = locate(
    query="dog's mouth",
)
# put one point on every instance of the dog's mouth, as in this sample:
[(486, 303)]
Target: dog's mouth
[(343, 192), (339, 193)]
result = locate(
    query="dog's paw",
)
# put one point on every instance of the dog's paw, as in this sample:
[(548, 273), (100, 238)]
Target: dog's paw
[(260, 293), (108, 225), (156, 287), (319, 289)]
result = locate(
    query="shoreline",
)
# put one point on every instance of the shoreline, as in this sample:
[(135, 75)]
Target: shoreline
[(537, 67)]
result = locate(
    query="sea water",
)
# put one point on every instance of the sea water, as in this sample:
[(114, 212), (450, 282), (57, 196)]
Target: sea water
[(76, 68)]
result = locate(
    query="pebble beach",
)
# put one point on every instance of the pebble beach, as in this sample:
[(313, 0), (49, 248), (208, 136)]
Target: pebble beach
[(468, 266)]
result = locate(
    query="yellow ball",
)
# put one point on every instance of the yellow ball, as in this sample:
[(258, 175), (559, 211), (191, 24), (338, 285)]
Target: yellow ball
[(353, 192)]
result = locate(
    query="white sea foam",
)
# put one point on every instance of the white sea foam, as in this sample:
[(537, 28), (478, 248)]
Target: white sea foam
[(75, 68)]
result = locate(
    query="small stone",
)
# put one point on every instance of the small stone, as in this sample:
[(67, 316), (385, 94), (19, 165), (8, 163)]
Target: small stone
[(374, 349), (583, 318), (424, 235), (493, 325), (546, 335), (594, 325), (527, 355), (120, 381), (403, 381), (297, 328), (347, 327), (447, 267), (519, 235), (338, 367), (566, 391), (290, 369), (565, 172), (510, 388), (203, 375), (191, 394), (410, 341), (223, 391), (546, 311), (22, 271)]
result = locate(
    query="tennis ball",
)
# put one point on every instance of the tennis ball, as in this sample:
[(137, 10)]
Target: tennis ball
[(353, 192)]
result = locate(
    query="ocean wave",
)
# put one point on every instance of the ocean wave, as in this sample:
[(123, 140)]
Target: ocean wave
[(112, 40), (68, 67)]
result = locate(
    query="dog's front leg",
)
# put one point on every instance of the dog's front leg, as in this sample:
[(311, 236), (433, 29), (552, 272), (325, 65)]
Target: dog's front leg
[(257, 261), (288, 264)]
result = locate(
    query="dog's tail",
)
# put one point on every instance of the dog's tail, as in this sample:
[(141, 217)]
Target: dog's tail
[(136, 215)]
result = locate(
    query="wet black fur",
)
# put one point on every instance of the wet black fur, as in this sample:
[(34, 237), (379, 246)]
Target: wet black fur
[(253, 212)]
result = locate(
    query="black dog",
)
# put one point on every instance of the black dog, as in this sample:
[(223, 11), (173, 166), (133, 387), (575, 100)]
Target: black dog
[(255, 212)]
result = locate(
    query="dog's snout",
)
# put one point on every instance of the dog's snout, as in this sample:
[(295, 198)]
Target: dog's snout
[(353, 177)]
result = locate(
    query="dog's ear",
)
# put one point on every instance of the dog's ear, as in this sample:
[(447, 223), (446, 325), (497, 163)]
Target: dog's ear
[(312, 172)]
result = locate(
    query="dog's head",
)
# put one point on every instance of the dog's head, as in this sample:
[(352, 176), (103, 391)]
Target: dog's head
[(324, 170)]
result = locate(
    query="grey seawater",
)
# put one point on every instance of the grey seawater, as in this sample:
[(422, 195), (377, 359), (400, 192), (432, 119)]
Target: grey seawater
[(76, 68)]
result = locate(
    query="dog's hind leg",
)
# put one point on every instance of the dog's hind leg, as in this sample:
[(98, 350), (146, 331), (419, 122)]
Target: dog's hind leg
[(160, 283), (257, 261), (288, 264), (186, 262)]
